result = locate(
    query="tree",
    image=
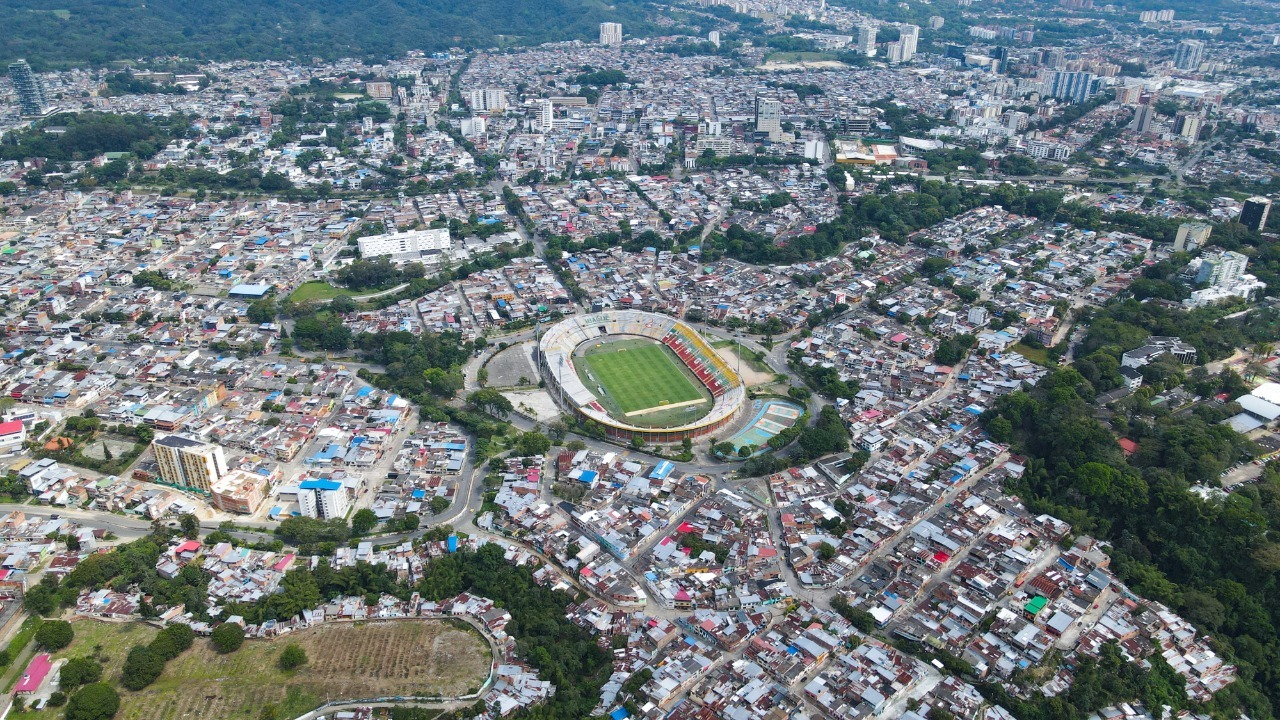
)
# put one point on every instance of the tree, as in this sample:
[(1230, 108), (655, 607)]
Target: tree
[(97, 701), (826, 551), (490, 401), (227, 638), (141, 668), (80, 671), (55, 635), (190, 525), (438, 505), (262, 311), (173, 640), (40, 600), (292, 657), (363, 521), (531, 444)]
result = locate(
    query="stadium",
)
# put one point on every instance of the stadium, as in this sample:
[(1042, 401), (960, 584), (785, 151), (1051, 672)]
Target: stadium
[(640, 375)]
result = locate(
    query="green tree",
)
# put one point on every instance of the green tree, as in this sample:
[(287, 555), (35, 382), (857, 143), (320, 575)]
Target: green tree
[(531, 444), (227, 638), (190, 525), (55, 635), (363, 521), (141, 668), (438, 505), (96, 701), (79, 671)]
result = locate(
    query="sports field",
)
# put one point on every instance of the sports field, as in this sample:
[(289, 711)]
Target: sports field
[(641, 375)]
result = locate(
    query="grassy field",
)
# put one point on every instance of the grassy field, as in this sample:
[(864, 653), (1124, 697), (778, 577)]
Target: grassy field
[(1039, 356), (418, 657), (638, 375), (799, 57), (316, 291)]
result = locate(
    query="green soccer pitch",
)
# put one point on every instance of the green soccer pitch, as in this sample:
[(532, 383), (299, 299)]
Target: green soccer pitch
[(640, 375)]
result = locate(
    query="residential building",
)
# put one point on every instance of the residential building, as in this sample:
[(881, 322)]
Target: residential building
[(323, 499), (32, 99), (713, 37), (1191, 236), (1074, 87), (1223, 270), (1142, 117), (1188, 55), (769, 117), (910, 39), (867, 39), (189, 463), (239, 491), (12, 435), (488, 100), (611, 34), (1188, 126)]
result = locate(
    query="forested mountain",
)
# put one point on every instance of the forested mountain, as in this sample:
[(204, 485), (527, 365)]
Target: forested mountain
[(64, 32)]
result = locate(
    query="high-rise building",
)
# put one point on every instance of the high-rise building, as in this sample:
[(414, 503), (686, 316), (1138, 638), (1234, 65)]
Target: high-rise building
[(1142, 117), (488, 100), (1222, 270), (1188, 55), (713, 37), (1188, 126), (1253, 214), (1191, 236), (893, 51), (323, 499), (1074, 87), (769, 117), (936, 22), (189, 463), (611, 34), (909, 39), (32, 99), (867, 39), (546, 115)]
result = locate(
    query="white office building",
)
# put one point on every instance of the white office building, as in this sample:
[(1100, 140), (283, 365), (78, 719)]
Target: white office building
[(867, 39), (910, 39), (413, 245)]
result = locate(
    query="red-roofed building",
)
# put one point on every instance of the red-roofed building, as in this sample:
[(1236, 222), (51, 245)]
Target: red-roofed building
[(12, 435), (35, 674), (1128, 447)]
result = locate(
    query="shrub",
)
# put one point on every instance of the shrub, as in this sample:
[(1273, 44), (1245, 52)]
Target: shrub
[(80, 671), (292, 658)]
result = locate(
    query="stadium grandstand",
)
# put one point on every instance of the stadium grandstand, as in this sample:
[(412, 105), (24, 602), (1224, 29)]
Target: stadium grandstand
[(559, 355)]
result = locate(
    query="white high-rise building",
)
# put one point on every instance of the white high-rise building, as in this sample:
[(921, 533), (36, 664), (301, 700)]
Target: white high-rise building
[(488, 100), (769, 117), (1188, 55), (323, 499), (893, 52), (546, 115), (910, 38), (867, 39), (189, 463), (611, 34), (713, 37)]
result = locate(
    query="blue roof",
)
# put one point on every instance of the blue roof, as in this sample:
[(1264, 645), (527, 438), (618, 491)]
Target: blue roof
[(316, 484), (589, 476), (419, 494), (662, 470), (619, 714)]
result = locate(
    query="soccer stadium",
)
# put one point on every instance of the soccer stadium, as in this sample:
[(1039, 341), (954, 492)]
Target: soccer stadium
[(640, 375)]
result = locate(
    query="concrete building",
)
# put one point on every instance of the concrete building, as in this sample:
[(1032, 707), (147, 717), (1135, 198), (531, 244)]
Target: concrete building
[(769, 117), (910, 39), (32, 99), (12, 435), (189, 463), (867, 39), (1223, 270), (488, 100), (1191, 236), (713, 37), (546, 115), (611, 34), (1254, 212), (1188, 55), (239, 492), (1073, 87), (1188, 126), (1142, 117), (412, 245), (323, 499), (893, 52)]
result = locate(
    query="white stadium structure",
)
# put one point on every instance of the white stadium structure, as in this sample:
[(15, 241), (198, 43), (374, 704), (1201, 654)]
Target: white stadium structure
[(556, 362)]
